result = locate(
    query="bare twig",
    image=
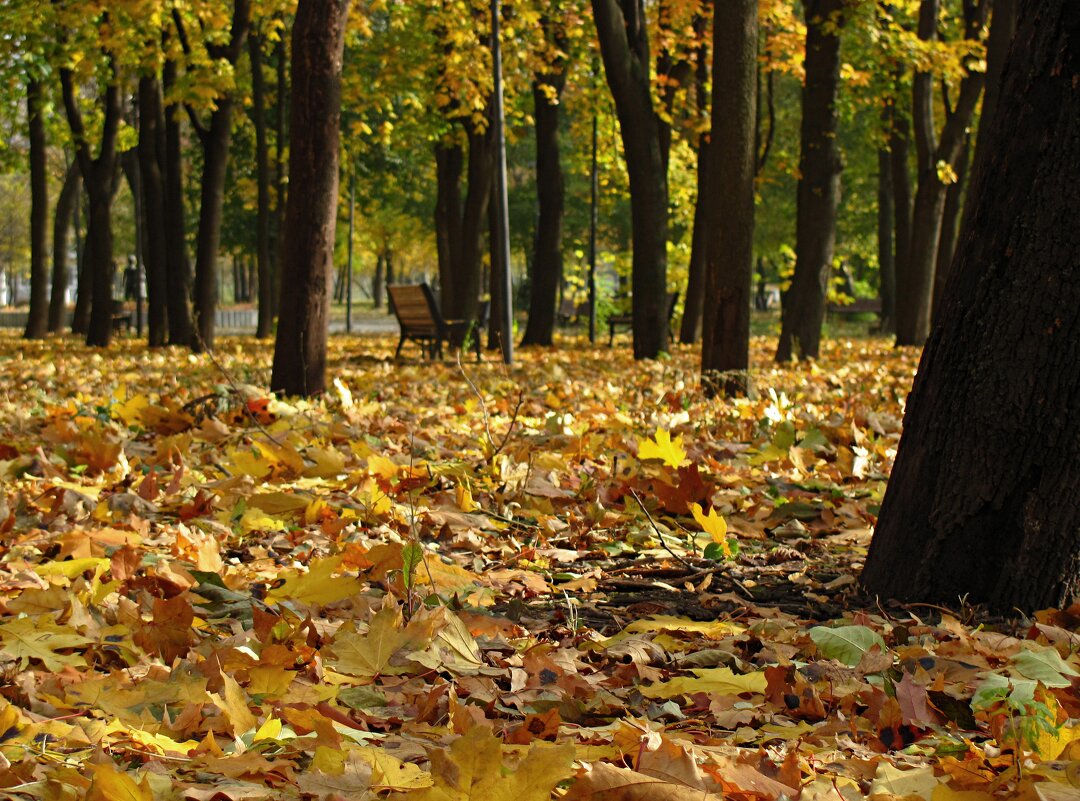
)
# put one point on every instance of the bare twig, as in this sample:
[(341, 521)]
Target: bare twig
[(660, 536), (495, 449)]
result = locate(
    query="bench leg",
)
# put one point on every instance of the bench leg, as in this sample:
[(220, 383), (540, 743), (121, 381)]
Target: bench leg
[(401, 342)]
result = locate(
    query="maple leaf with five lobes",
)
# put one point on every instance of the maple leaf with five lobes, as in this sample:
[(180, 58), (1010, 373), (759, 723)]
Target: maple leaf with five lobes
[(661, 446), (26, 639)]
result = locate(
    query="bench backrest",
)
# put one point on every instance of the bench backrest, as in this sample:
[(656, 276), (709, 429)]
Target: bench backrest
[(415, 307)]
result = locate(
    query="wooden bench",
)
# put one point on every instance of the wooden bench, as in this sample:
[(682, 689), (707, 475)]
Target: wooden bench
[(421, 321), (857, 306), (627, 320), (121, 317), (570, 312)]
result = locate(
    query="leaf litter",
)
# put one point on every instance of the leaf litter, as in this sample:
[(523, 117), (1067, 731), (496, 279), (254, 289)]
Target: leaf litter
[(576, 579)]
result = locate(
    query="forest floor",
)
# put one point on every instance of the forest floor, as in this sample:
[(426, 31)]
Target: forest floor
[(575, 578)]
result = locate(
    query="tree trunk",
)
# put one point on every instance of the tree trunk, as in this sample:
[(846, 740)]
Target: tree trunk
[(262, 177), (80, 316), (547, 259), (318, 41), (950, 222), (915, 281), (449, 162), (725, 347), (624, 46), (886, 214), (97, 175), (820, 166), (37, 323), (215, 141), (694, 300), (281, 137), (177, 265), (378, 282), (1002, 28), (982, 503), (151, 156), (65, 207), (899, 149)]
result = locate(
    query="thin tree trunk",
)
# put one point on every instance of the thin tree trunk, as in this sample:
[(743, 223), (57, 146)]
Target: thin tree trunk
[(65, 208), (547, 262), (310, 220), (37, 323), (97, 175), (899, 149), (725, 347), (950, 222), (177, 265), (694, 301), (886, 214), (281, 138), (449, 163), (262, 177), (820, 166), (624, 46), (151, 156), (379, 280), (80, 316), (915, 282), (981, 505)]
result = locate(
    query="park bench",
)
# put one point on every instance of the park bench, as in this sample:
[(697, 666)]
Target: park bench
[(121, 317), (571, 312), (858, 306), (627, 320), (421, 321)]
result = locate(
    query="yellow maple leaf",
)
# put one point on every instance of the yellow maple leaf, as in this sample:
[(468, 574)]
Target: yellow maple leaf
[(26, 639), (110, 784), (368, 655), (661, 446), (472, 768), (715, 681), (712, 524), (318, 585)]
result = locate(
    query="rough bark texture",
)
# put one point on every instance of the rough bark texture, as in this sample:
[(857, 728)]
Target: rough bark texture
[(449, 163), (547, 262), (694, 300), (818, 196), (177, 265), (97, 173), (37, 323), (62, 215), (915, 278), (899, 150), (624, 45), (982, 501), (311, 212), (215, 141), (262, 177), (151, 156), (725, 346)]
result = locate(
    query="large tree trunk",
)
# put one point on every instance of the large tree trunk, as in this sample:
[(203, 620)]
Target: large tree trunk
[(281, 174), (725, 346), (622, 30), (449, 163), (915, 281), (177, 265), (65, 208), (982, 502), (311, 216), (37, 323), (151, 156), (820, 166), (262, 177), (547, 259), (97, 175), (694, 300)]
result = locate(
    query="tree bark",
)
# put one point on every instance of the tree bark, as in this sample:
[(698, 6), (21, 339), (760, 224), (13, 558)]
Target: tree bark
[(915, 281), (981, 504), (899, 150), (263, 212), (215, 141), (818, 197), (37, 323), (65, 208), (694, 301), (547, 262), (725, 347), (449, 163), (151, 155), (311, 217), (97, 173), (281, 137), (177, 264), (624, 45)]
